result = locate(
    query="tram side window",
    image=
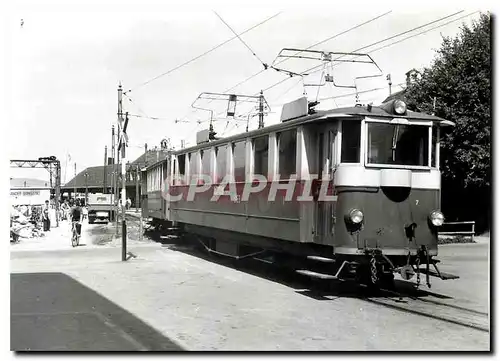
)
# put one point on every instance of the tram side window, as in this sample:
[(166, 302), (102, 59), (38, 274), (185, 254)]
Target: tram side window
[(239, 161), (194, 163), (287, 146), (181, 160), (261, 155), (351, 141), (221, 159), (205, 161), (175, 166), (181, 163)]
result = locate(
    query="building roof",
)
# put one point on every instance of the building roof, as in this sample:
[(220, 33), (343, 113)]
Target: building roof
[(398, 95), (150, 157), (28, 183), (95, 175)]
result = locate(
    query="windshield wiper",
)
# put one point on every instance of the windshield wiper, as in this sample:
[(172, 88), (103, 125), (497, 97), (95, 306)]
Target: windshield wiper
[(395, 135)]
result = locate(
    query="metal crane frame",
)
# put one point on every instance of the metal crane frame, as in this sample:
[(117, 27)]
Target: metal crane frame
[(53, 166)]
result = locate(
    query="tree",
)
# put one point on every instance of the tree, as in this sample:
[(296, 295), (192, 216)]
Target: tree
[(459, 83)]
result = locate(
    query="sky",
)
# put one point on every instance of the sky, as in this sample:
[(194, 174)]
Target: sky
[(66, 63)]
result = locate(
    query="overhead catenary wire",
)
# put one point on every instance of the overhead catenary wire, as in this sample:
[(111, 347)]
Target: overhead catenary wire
[(337, 35), (381, 41), (309, 47), (146, 116), (318, 43), (423, 32), (203, 54), (240, 39), (315, 68), (414, 35), (373, 44)]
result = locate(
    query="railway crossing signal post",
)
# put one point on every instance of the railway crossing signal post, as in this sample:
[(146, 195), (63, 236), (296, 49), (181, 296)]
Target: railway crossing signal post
[(122, 129)]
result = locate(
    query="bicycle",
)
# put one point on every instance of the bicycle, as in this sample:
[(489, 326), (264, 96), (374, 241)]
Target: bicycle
[(75, 237)]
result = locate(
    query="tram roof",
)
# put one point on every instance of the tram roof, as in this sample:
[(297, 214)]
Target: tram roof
[(355, 112)]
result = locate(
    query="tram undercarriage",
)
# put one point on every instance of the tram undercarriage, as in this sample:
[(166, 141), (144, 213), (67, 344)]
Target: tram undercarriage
[(370, 267)]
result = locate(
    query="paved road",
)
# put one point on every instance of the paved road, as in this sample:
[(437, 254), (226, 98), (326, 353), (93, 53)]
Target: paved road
[(167, 293)]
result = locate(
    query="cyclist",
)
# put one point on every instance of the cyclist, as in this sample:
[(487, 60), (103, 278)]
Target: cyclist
[(77, 217)]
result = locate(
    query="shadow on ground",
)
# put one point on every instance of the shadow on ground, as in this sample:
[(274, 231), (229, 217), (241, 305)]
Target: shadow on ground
[(54, 312), (317, 289)]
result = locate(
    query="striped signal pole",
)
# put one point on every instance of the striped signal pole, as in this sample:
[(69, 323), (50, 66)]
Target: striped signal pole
[(122, 128)]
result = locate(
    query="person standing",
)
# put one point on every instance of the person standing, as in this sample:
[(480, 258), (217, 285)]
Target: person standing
[(46, 217)]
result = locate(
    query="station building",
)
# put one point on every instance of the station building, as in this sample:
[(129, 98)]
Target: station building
[(29, 192), (100, 179)]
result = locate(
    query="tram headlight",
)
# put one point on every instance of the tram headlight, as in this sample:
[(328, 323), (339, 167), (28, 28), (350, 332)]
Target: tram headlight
[(356, 216), (436, 218), (399, 107)]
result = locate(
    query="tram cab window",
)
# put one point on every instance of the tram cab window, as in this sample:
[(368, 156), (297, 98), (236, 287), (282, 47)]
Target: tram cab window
[(398, 144), (221, 160), (261, 155), (287, 147), (351, 141), (239, 161), (433, 152)]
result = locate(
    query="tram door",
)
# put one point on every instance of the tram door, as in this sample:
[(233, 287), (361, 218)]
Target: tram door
[(166, 176), (327, 163)]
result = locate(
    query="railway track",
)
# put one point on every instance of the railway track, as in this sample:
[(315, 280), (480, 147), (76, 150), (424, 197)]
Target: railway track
[(405, 302), (430, 308)]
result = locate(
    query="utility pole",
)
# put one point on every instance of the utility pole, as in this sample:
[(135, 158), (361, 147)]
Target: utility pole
[(105, 184), (261, 110), (58, 189), (390, 83), (122, 129), (117, 178), (124, 190), (75, 183), (112, 163), (137, 188), (115, 167), (86, 189)]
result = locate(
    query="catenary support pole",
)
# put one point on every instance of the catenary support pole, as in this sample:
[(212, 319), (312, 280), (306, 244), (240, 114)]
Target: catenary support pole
[(261, 110), (104, 182), (74, 195), (113, 175), (124, 197), (137, 199), (58, 189)]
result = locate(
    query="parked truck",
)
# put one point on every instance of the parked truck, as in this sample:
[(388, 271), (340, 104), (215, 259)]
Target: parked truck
[(100, 207)]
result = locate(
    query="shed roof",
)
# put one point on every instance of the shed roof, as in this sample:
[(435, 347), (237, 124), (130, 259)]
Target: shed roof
[(95, 175), (28, 183)]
